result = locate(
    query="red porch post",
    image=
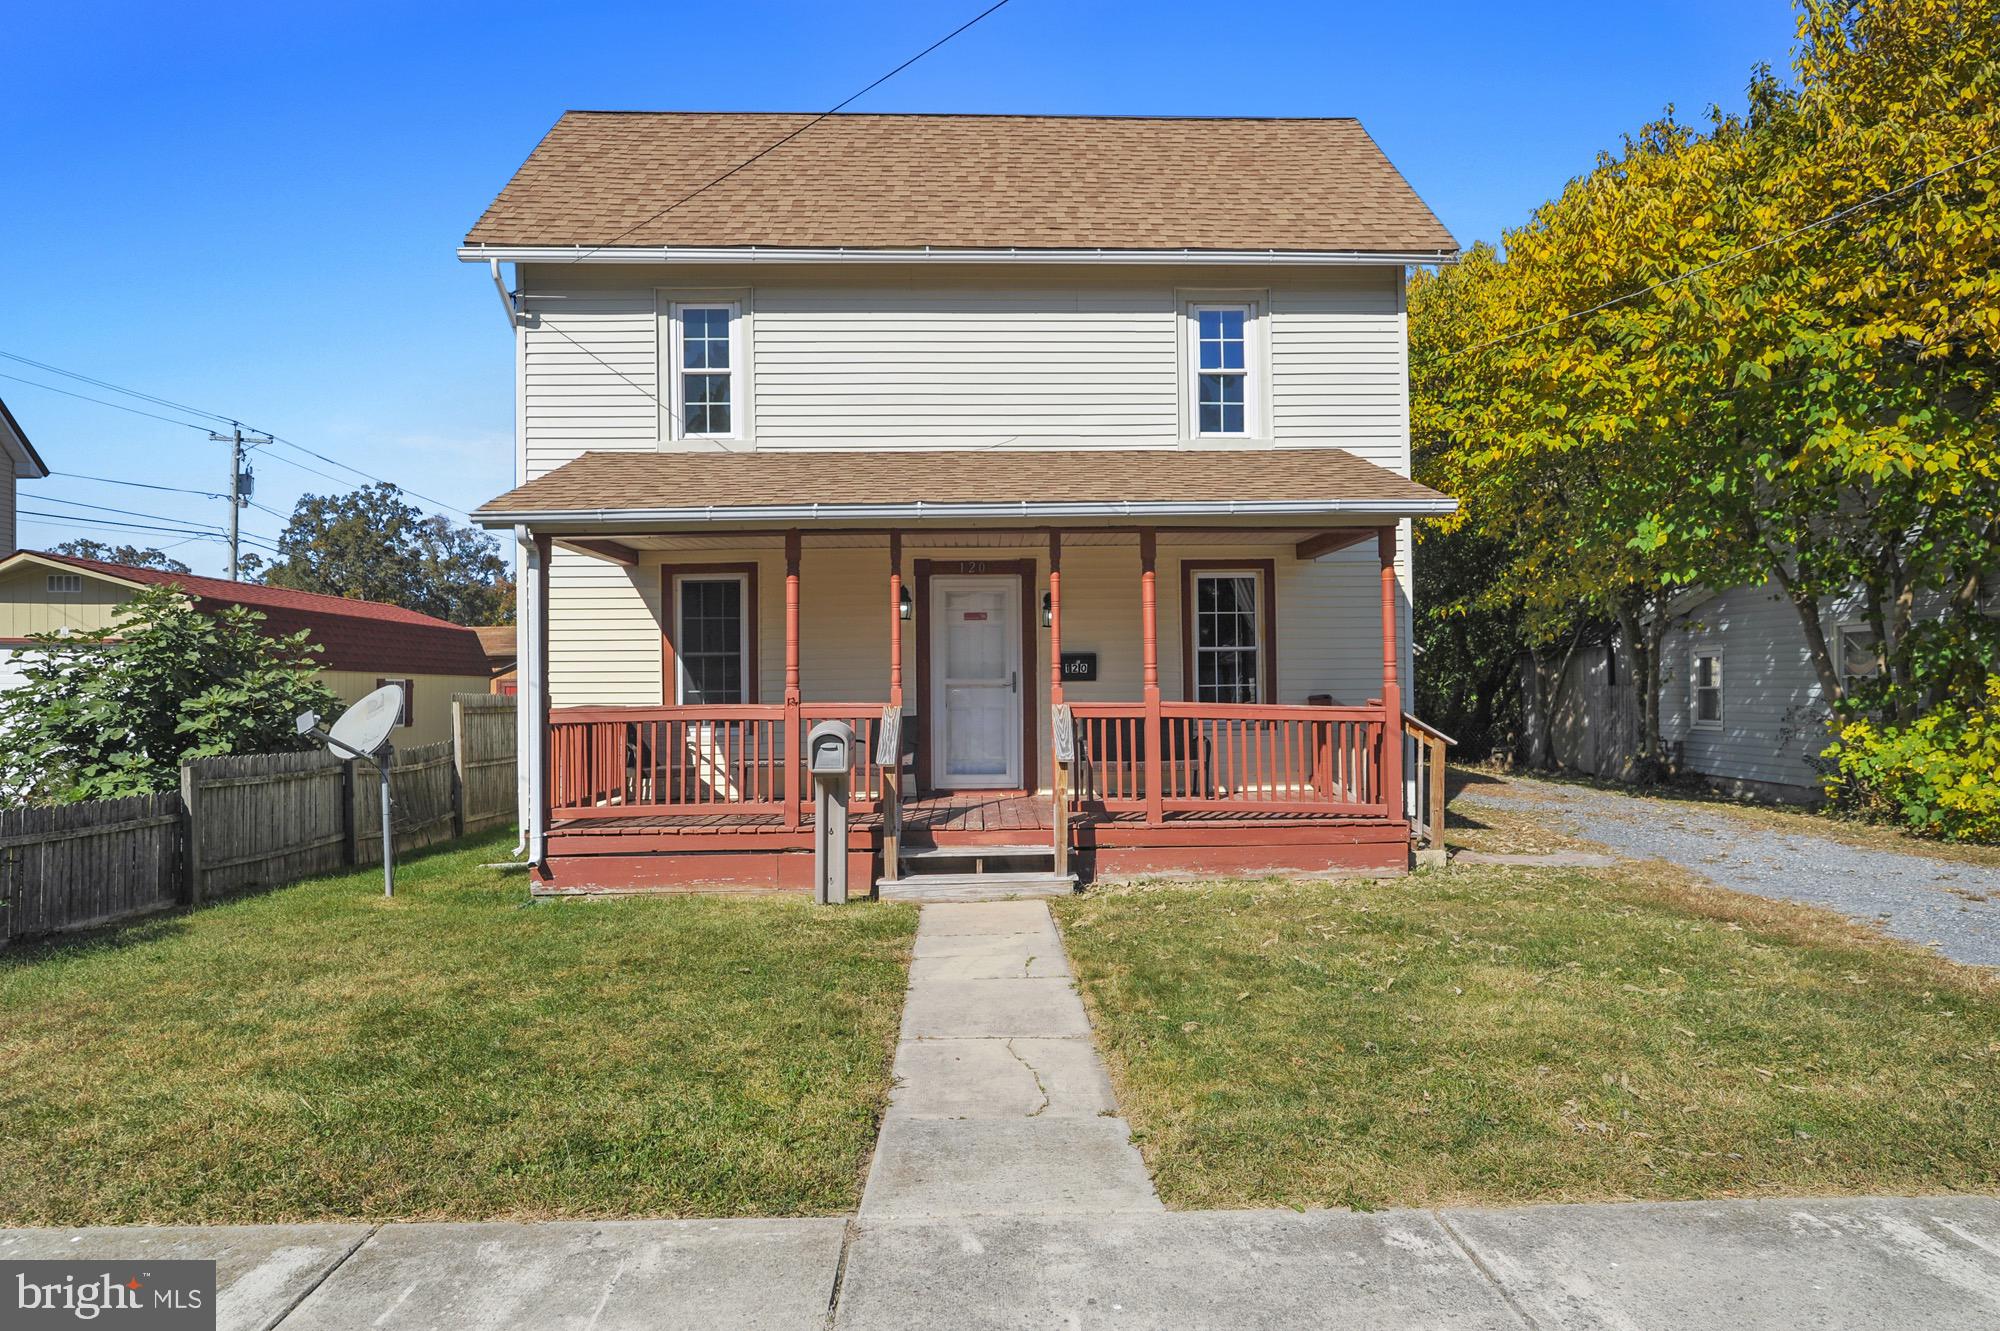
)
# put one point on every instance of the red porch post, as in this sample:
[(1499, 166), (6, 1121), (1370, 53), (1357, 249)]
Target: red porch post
[(794, 738), (896, 620), (1055, 617), (1392, 692), (1149, 633)]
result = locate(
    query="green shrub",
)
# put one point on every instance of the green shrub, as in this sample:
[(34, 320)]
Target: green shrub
[(1939, 775)]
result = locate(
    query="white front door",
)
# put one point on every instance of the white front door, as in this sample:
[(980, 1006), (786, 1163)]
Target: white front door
[(975, 697)]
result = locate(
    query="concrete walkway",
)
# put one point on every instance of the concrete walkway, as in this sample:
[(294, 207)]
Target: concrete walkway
[(1001, 1105)]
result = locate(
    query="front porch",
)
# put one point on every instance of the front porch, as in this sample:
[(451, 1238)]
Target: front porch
[(1048, 790), (1215, 686)]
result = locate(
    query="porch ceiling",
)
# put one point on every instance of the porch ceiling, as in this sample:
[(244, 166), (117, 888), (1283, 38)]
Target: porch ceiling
[(641, 492), (917, 540)]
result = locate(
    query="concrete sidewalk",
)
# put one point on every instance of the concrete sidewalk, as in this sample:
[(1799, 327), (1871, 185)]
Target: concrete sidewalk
[(1698, 1266)]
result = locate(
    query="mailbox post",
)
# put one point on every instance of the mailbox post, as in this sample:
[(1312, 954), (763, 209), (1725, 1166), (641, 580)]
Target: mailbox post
[(829, 759)]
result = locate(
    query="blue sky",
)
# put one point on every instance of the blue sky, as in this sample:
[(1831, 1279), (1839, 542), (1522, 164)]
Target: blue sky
[(252, 209)]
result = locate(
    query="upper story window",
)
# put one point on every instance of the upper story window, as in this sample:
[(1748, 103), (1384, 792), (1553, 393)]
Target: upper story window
[(707, 359), (1224, 388), (65, 584)]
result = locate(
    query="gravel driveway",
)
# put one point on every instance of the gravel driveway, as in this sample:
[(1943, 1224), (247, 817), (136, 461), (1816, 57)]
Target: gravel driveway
[(1952, 907)]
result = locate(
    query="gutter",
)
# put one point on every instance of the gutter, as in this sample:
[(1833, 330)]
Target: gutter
[(786, 254), (599, 518), (515, 318)]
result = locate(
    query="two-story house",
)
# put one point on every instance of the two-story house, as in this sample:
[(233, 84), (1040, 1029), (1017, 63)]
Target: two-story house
[(1066, 458)]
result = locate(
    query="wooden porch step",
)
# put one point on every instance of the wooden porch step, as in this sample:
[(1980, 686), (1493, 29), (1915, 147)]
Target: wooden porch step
[(1038, 850), (974, 886)]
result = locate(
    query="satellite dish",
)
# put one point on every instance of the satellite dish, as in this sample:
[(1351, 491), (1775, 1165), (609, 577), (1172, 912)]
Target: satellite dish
[(364, 727)]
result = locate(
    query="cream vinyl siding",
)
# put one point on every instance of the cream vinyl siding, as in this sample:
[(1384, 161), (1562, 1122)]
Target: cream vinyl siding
[(431, 722), (1026, 357), (27, 606)]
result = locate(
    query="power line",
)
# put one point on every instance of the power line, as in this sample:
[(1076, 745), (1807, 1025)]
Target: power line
[(78, 520), (137, 485), (197, 411), (116, 388), (749, 161), (115, 406), (414, 494), (1732, 257), (186, 524)]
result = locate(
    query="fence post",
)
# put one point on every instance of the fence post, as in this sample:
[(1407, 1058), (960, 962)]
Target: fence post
[(457, 768), (350, 827), (191, 803)]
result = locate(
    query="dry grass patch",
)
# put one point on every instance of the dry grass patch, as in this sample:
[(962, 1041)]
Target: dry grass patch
[(1505, 1035), (318, 1053)]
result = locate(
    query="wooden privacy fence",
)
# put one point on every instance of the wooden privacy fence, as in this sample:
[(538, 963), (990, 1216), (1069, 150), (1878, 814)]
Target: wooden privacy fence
[(239, 823), (483, 744), (86, 864)]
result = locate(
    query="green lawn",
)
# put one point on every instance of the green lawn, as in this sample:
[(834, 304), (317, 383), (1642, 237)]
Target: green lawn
[(1511, 1035), (318, 1053)]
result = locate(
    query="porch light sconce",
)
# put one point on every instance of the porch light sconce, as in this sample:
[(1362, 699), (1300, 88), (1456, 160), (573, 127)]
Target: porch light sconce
[(1048, 612), (905, 607)]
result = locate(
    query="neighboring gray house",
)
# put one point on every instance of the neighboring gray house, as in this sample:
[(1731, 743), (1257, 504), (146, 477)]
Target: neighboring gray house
[(1740, 702)]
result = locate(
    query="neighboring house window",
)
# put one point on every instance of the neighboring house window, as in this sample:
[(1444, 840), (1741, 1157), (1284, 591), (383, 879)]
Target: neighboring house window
[(706, 360), (408, 716), (1228, 629), (1708, 689), (65, 584), (712, 638), (1857, 660), (1224, 378)]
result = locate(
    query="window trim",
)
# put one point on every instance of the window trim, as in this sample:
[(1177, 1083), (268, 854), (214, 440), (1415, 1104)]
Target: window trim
[(408, 716), (1840, 632), (1251, 308), (677, 307), (1695, 718), (1266, 573), (673, 678)]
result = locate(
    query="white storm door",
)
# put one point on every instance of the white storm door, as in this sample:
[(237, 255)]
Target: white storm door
[(975, 682)]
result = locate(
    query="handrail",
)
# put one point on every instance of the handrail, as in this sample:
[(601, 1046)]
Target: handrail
[(1427, 812), (1063, 750), (889, 759), (1229, 757), (705, 758)]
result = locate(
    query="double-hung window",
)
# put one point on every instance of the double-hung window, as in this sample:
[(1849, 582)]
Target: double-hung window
[(1708, 689), (712, 638), (707, 357), (1228, 647), (1857, 657), (1224, 383)]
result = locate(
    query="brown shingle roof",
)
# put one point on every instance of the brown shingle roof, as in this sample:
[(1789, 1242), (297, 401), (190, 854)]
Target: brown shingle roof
[(961, 182), (682, 483)]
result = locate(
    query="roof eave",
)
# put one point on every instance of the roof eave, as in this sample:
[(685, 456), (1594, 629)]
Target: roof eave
[(773, 254), (601, 519), (28, 464)]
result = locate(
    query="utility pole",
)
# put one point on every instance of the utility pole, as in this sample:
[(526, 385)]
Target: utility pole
[(241, 485)]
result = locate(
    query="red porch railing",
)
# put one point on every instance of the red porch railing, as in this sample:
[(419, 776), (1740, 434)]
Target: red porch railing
[(611, 762), (1221, 758)]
